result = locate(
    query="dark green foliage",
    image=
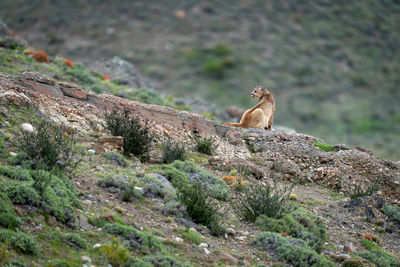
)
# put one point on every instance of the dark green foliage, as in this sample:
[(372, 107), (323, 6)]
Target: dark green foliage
[(205, 145), (393, 212), (76, 240), (116, 157), (325, 147), (16, 173), (8, 218), (48, 147), (380, 258), (177, 177), (353, 263), (152, 187), (292, 250), (214, 186), (163, 261), (369, 244), (149, 96), (113, 184), (137, 240), (97, 222), (200, 208), (367, 191), (174, 208), (265, 200), (41, 180), (3, 149), (136, 262), (131, 193), (173, 151), (23, 193), (137, 138), (20, 241), (300, 224)]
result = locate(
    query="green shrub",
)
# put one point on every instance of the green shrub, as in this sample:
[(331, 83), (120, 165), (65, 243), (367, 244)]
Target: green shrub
[(136, 262), (152, 187), (48, 147), (23, 193), (200, 208), (163, 261), (113, 184), (149, 96), (115, 253), (353, 262), (131, 193), (116, 157), (324, 147), (392, 212), (368, 191), (97, 222), (380, 258), (174, 208), (136, 240), (190, 236), (214, 186), (41, 180), (75, 240), (8, 218), (3, 149), (177, 177), (137, 138), (205, 145), (292, 250), (172, 151), (16, 173), (300, 224), (19, 241), (265, 200)]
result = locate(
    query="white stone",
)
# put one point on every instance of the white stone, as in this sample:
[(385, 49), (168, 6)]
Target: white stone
[(13, 154), (92, 151), (86, 259), (27, 127), (231, 231), (203, 245), (96, 245), (206, 251), (178, 239)]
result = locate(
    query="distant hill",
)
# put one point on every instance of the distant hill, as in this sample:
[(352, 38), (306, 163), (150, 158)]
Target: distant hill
[(332, 67)]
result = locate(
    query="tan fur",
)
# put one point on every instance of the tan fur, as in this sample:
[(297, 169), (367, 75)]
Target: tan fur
[(261, 115)]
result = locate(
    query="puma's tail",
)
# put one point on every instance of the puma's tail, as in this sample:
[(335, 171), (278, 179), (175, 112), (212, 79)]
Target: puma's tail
[(234, 124)]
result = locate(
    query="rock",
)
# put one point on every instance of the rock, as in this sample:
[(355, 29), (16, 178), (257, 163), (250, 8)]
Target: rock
[(206, 251), (228, 258), (113, 142), (241, 238), (72, 91), (87, 202), (108, 217), (86, 259), (231, 231), (343, 257), (161, 179), (203, 245), (13, 154), (84, 223), (178, 240), (97, 245), (27, 127), (349, 248), (91, 151)]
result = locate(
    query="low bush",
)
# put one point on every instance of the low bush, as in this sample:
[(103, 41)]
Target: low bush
[(152, 187), (173, 151), (189, 235), (136, 240), (97, 222), (75, 240), (174, 208), (130, 193), (8, 218), (200, 208), (163, 261), (115, 253), (368, 190), (325, 147), (49, 146), (41, 180), (16, 173), (205, 145), (393, 212), (380, 258), (114, 184), (300, 224), (136, 262), (115, 157), (20, 241), (292, 250), (137, 138), (267, 200)]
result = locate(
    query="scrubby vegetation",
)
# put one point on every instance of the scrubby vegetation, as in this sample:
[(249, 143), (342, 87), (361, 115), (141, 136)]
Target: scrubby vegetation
[(137, 138), (20, 241), (393, 212), (205, 145), (116, 158), (293, 250), (267, 200), (173, 151), (325, 147)]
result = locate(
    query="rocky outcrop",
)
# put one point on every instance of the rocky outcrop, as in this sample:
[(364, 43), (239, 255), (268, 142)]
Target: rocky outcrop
[(263, 154)]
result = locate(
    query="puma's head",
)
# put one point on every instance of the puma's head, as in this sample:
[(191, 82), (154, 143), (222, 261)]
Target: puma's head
[(259, 91)]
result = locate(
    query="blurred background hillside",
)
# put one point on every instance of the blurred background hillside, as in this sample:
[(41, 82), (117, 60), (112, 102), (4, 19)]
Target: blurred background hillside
[(333, 66)]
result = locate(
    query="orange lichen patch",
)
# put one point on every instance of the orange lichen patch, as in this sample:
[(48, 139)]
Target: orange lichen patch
[(39, 56), (69, 63), (368, 237), (284, 233), (106, 77), (180, 14), (28, 53), (232, 180)]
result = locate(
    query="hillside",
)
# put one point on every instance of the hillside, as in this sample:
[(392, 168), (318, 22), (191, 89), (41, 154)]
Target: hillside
[(74, 192), (332, 66)]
